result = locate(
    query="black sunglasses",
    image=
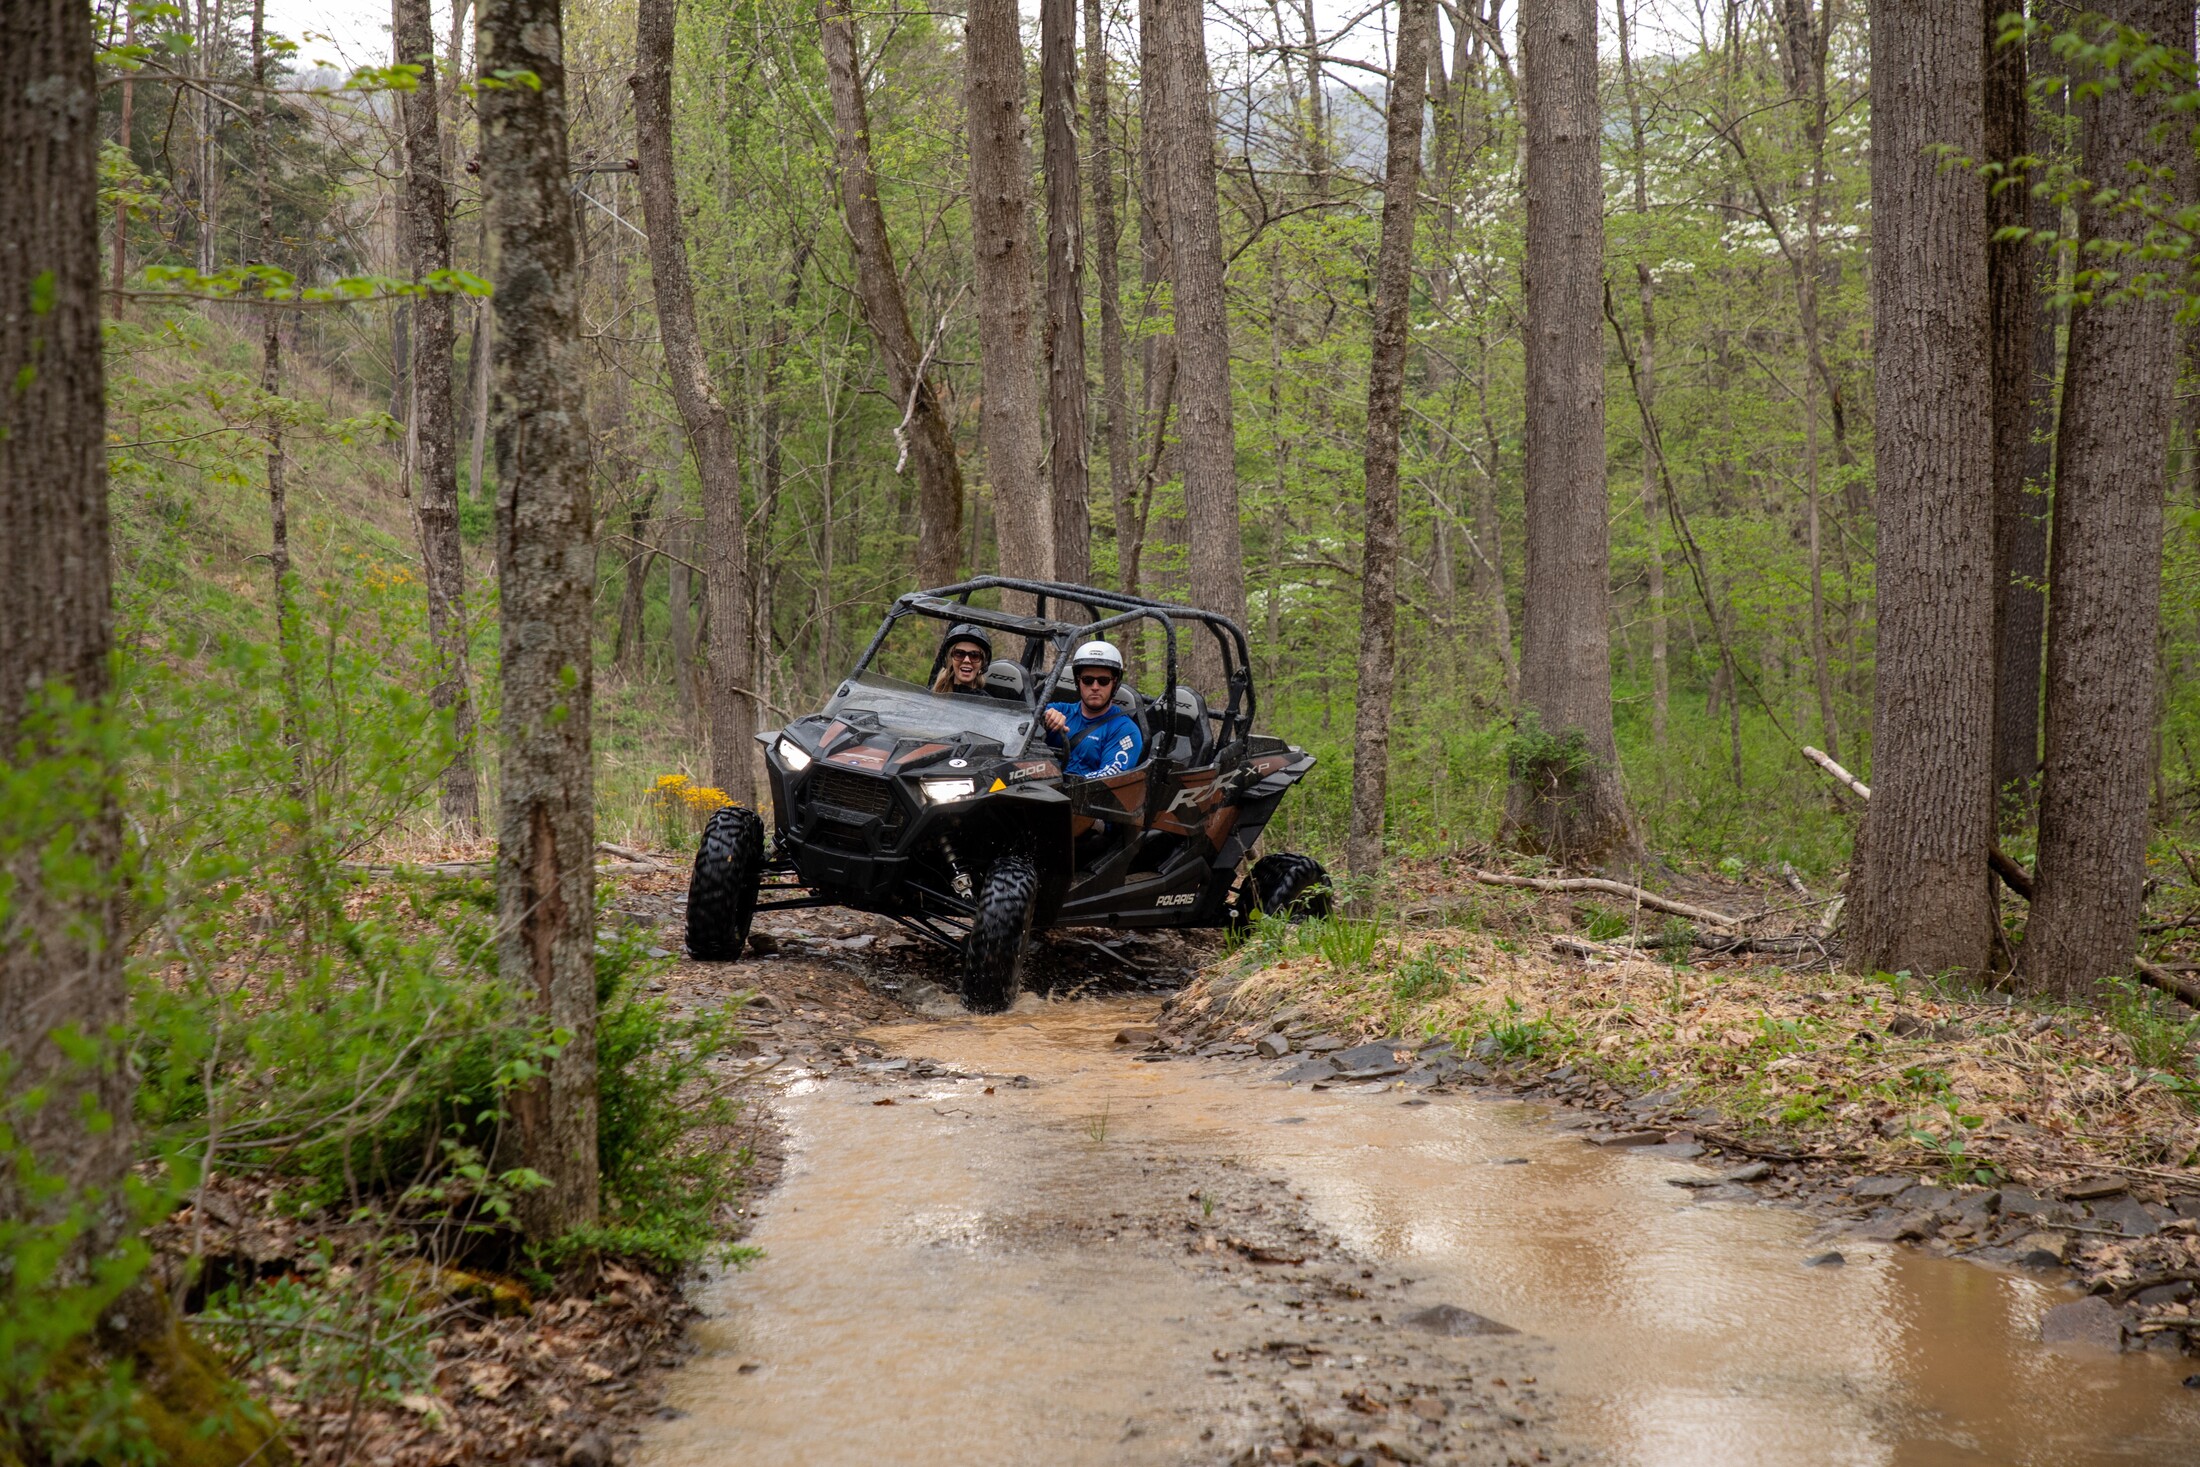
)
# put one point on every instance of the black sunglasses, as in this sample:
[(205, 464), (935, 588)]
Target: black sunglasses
[(970, 652), (1102, 680)]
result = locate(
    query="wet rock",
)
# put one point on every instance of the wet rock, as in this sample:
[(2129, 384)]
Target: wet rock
[(2133, 1220), (1655, 1100), (1678, 1150), (1824, 1260), (1310, 1069), (2041, 1250), (1693, 1182), (1473, 1070), (1321, 1043), (2163, 1294), (1756, 1171), (1880, 1189), (2092, 1322), (1618, 1139), (1373, 1072), (1273, 1046), (1136, 1036), (2019, 1202), (1898, 1227), (2092, 1187), (1450, 1319), (1488, 1048), (1924, 1198), (591, 1450), (1370, 1056)]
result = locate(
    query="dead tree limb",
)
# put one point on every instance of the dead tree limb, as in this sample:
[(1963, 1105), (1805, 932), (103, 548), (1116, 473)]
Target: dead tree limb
[(2012, 875), (1613, 888)]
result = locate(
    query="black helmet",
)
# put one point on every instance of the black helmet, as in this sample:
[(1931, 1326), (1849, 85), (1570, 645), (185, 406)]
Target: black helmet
[(965, 632)]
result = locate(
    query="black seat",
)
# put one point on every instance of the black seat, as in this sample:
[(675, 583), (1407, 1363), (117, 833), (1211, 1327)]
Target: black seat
[(1179, 730), (1007, 679)]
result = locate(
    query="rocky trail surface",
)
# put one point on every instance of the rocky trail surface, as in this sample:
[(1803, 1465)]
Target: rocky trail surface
[(1091, 1231)]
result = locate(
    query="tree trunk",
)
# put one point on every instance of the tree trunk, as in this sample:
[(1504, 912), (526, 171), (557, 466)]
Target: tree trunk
[(639, 557), (1157, 357), (2104, 575), (271, 386), (1386, 371), (61, 944), (546, 832), (1068, 463), (731, 710), (1919, 899), (1215, 558), (2012, 277), (886, 311), (1000, 242), (1646, 388), (1565, 799), (431, 429), (1107, 240), (680, 608), (477, 391)]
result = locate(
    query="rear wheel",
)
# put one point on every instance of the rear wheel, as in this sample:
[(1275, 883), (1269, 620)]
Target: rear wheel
[(729, 866), (1000, 932), (1289, 886)]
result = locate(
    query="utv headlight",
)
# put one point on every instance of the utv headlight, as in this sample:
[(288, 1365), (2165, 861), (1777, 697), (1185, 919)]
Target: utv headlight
[(793, 755), (940, 791)]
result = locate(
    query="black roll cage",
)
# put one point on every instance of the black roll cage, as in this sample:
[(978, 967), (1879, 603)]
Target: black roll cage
[(952, 603)]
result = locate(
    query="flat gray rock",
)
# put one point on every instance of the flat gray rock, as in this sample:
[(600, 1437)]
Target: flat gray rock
[(2129, 1216), (1368, 1056), (1450, 1319), (1880, 1189), (2091, 1322), (1310, 1069)]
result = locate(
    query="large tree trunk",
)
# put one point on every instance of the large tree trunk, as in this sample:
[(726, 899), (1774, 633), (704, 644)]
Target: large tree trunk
[(2011, 285), (886, 310), (60, 935), (1919, 898), (1107, 240), (1565, 799), (546, 827), (730, 708), (1000, 241), (1157, 357), (431, 428), (2104, 579), (1214, 558), (1068, 462), (1386, 374)]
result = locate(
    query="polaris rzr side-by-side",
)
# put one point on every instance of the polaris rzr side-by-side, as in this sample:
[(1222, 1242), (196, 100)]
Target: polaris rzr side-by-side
[(931, 795)]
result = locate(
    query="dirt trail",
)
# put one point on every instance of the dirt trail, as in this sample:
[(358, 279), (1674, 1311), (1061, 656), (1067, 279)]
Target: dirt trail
[(1047, 1250)]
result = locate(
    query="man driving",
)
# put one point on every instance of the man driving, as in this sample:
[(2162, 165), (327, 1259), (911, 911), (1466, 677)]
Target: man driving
[(964, 660), (1096, 737)]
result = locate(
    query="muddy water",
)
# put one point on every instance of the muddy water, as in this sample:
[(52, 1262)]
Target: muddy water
[(903, 1315)]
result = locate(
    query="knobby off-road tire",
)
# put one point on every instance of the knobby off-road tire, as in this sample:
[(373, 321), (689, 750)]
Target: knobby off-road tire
[(1290, 886), (1000, 933), (722, 892)]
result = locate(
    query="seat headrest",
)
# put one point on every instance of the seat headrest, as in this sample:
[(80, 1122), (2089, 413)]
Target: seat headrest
[(1007, 678)]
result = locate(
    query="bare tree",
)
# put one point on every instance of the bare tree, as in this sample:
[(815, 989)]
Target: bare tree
[(731, 708), (1107, 240), (925, 434), (1215, 557), (546, 834), (60, 939), (1565, 799), (2104, 579), (1919, 898), (2012, 268), (1646, 391), (431, 427), (1068, 462), (1000, 235), (1386, 371)]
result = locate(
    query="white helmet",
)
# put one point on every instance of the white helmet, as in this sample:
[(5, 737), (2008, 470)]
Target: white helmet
[(1097, 654)]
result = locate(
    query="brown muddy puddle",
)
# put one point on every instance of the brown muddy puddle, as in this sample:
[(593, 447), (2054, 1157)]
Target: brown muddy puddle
[(901, 1315)]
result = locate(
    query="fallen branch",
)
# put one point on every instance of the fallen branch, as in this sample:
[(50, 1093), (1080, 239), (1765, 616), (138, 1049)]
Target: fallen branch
[(2176, 985), (1634, 894), (2013, 876)]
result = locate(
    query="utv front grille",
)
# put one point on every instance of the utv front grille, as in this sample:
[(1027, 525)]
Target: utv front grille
[(857, 793)]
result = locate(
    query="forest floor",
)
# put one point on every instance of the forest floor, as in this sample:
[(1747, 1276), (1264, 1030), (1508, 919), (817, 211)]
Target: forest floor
[(1913, 1116)]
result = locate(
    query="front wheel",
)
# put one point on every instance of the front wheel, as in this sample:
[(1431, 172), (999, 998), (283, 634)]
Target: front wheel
[(729, 867), (1289, 886), (1000, 931)]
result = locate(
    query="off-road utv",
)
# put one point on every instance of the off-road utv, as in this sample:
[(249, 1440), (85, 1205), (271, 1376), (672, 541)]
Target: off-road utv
[(949, 812)]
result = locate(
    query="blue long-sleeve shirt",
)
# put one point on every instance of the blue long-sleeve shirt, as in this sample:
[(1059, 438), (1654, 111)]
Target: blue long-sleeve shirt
[(1109, 744)]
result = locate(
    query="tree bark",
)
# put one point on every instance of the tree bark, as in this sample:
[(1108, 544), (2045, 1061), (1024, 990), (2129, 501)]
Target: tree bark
[(278, 498), (730, 710), (1919, 900), (2012, 278), (885, 309), (1565, 800), (431, 428), (1000, 242), (61, 944), (1107, 241), (546, 917), (1068, 461), (1157, 357), (1646, 387), (2104, 587), (1386, 371), (1215, 558)]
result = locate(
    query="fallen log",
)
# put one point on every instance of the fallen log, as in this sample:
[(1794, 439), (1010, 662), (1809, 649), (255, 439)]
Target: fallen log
[(1634, 894)]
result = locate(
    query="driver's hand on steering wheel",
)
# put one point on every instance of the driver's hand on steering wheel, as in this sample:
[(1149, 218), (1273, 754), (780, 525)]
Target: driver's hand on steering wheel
[(1055, 719)]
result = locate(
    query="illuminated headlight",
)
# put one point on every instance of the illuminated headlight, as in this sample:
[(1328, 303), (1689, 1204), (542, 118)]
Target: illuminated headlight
[(793, 755), (940, 791)]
